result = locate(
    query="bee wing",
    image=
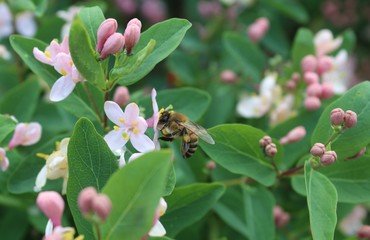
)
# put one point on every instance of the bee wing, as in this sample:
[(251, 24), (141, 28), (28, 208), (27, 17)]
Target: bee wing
[(198, 130)]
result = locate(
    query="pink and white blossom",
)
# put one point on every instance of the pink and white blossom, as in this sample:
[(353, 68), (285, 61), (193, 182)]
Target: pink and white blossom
[(52, 205), (25, 134), (129, 126), (68, 16), (158, 230), (4, 161), (325, 42)]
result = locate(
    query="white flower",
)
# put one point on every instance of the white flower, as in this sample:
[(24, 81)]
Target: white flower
[(4, 53), (6, 18), (56, 166), (129, 126), (25, 24), (341, 73), (4, 161), (325, 42), (68, 17), (158, 230)]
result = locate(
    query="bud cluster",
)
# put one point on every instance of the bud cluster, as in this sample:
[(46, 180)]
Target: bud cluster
[(326, 157), (339, 118), (281, 217), (268, 147), (93, 204), (111, 42)]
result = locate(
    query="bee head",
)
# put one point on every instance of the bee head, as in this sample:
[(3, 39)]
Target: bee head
[(164, 115)]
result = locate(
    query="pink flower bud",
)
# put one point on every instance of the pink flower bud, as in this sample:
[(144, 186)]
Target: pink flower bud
[(4, 161), (350, 119), (105, 30), (337, 117), (208, 9), (128, 7), (309, 63), (294, 135), (312, 103), (121, 95), (228, 76), (258, 29), (314, 90), (364, 232), (291, 85), (102, 206), (327, 91), (52, 205), (295, 77), (132, 34), (359, 154), (324, 64), (281, 218), (311, 77), (113, 45), (329, 157), (153, 10), (25, 134), (266, 140), (271, 150), (318, 149), (211, 165), (85, 200)]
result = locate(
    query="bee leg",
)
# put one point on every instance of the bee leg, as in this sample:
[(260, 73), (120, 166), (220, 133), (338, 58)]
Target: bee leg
[(167, 139), (185, 143)]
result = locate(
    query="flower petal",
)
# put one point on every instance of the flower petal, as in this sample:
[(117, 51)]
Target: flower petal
[(142, 142), (61, 89), (62, 63), (157, 230), (41, 56), (253, 106), (115, 140), (114, 113), (40, 179), (25, 24), (132, 112)]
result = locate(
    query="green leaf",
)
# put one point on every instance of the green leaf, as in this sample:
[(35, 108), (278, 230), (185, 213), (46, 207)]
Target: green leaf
[(237, 149), (167, 35), (302, 46), (24, 47), (351, 179), (291, 8), (132, 64), (13, 224), (90, 163), (141, 182), (7, 125), (92, 17), (356, 99), (170, 182), (21, 101), (83, 54), (259, 204), (322, 203), (189, 101), (349, 40), (251, 59), (189, 204)]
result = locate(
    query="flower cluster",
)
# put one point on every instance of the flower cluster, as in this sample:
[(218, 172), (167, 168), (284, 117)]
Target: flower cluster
[(58, 56), (268, 146)]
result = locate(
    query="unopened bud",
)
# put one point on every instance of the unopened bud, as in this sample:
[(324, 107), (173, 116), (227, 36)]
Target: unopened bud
[(281, 218), (271, 150), (4, 161), (337, 117), (291, 85), (211, 165), (25, 134), (295, 77), (324, 64), (359, 154), (85, 200), (294, 135), (312, 103), (105, 30), (327, 91), (318, 149), (258, 29), (328, 157), (113, 45), (311, 77), (309, 63), (364, 232), (52, 205), (121, 95), (314, 90), (102, 206), (132, 34), (350, 119), (266, 140), (228, 76)]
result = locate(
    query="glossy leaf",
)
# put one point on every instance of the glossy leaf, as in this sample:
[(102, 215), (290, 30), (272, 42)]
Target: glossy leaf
[(188, 204), (302, 46), (141, 182), (322, 203), (237, 149), (167, 35), (7, 125), (183, 100), (92, 17), (90, 163), (83, 54), (290, 8), (356, 99), (21, 101), (251, 59)]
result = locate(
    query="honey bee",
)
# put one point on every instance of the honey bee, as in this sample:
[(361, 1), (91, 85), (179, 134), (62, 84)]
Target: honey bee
[(174, 125)]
